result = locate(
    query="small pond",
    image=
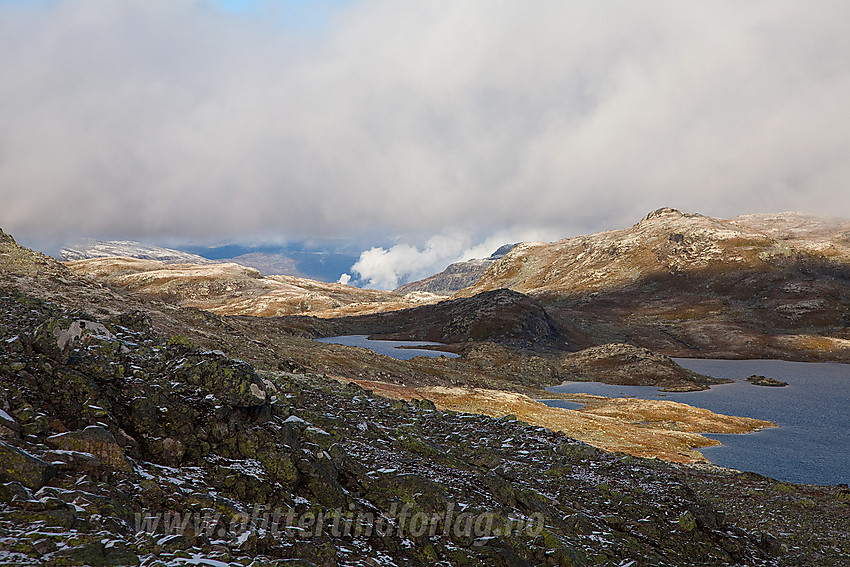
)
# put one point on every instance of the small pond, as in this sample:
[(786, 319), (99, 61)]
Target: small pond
[(403, 350)]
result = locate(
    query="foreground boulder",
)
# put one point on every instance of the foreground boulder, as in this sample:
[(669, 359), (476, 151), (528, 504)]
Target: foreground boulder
[(57, 336), (233, 382), (17, 465)]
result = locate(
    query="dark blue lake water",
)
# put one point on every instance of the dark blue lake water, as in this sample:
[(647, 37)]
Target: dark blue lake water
[(403, 350), (812, 441)]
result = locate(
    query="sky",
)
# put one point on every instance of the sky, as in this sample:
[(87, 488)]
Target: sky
[(424, 131)]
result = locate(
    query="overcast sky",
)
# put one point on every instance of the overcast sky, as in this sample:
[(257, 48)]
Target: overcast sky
[(446, 127)]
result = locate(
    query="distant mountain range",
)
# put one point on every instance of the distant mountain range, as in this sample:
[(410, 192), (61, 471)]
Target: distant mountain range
[(323, 261), (295, 259), (104, 249)]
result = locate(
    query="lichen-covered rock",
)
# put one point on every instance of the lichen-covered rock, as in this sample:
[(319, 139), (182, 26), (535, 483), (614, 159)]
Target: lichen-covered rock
[(280, 467), (97, 441), (57, 336), (74, 460), (765, 381), (620, 363), (231, 381), (319, 478), (135, 320), (16, 465)]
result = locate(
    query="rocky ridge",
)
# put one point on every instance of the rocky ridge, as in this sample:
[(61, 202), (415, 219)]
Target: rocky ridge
[(686, 284), (267, 264), (634, 366), (499, 316)]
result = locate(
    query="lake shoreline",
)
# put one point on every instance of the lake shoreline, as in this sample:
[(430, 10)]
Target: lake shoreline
[(666, 430), (811, 443)]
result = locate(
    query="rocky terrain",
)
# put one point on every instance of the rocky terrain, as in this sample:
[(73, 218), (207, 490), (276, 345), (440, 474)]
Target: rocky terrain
[(500, 328), (276, 343), (689, 285), (124, 443), (293, 260), (456, 276), (633, 366), (765, 381), (680, 284), (121, 448), (540, 343), (267, 264), (658, 429)]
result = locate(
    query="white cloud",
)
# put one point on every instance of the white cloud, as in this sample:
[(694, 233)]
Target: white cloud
[(344, 279), (170, 119), (387, 268)]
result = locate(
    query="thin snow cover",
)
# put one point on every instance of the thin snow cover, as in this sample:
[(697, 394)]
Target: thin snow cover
[(6, 416), (318, 430), (249, 467), (243, 537), (294, 419), (132, 249), (199, 559)]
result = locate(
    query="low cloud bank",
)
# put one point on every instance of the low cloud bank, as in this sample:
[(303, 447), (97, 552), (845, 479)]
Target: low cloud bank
[(387, 268)]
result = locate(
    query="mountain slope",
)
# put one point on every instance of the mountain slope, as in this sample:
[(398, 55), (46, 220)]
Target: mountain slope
[(233, 289), (121, 449), (690, 285), (267, 264), (103, 249)]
